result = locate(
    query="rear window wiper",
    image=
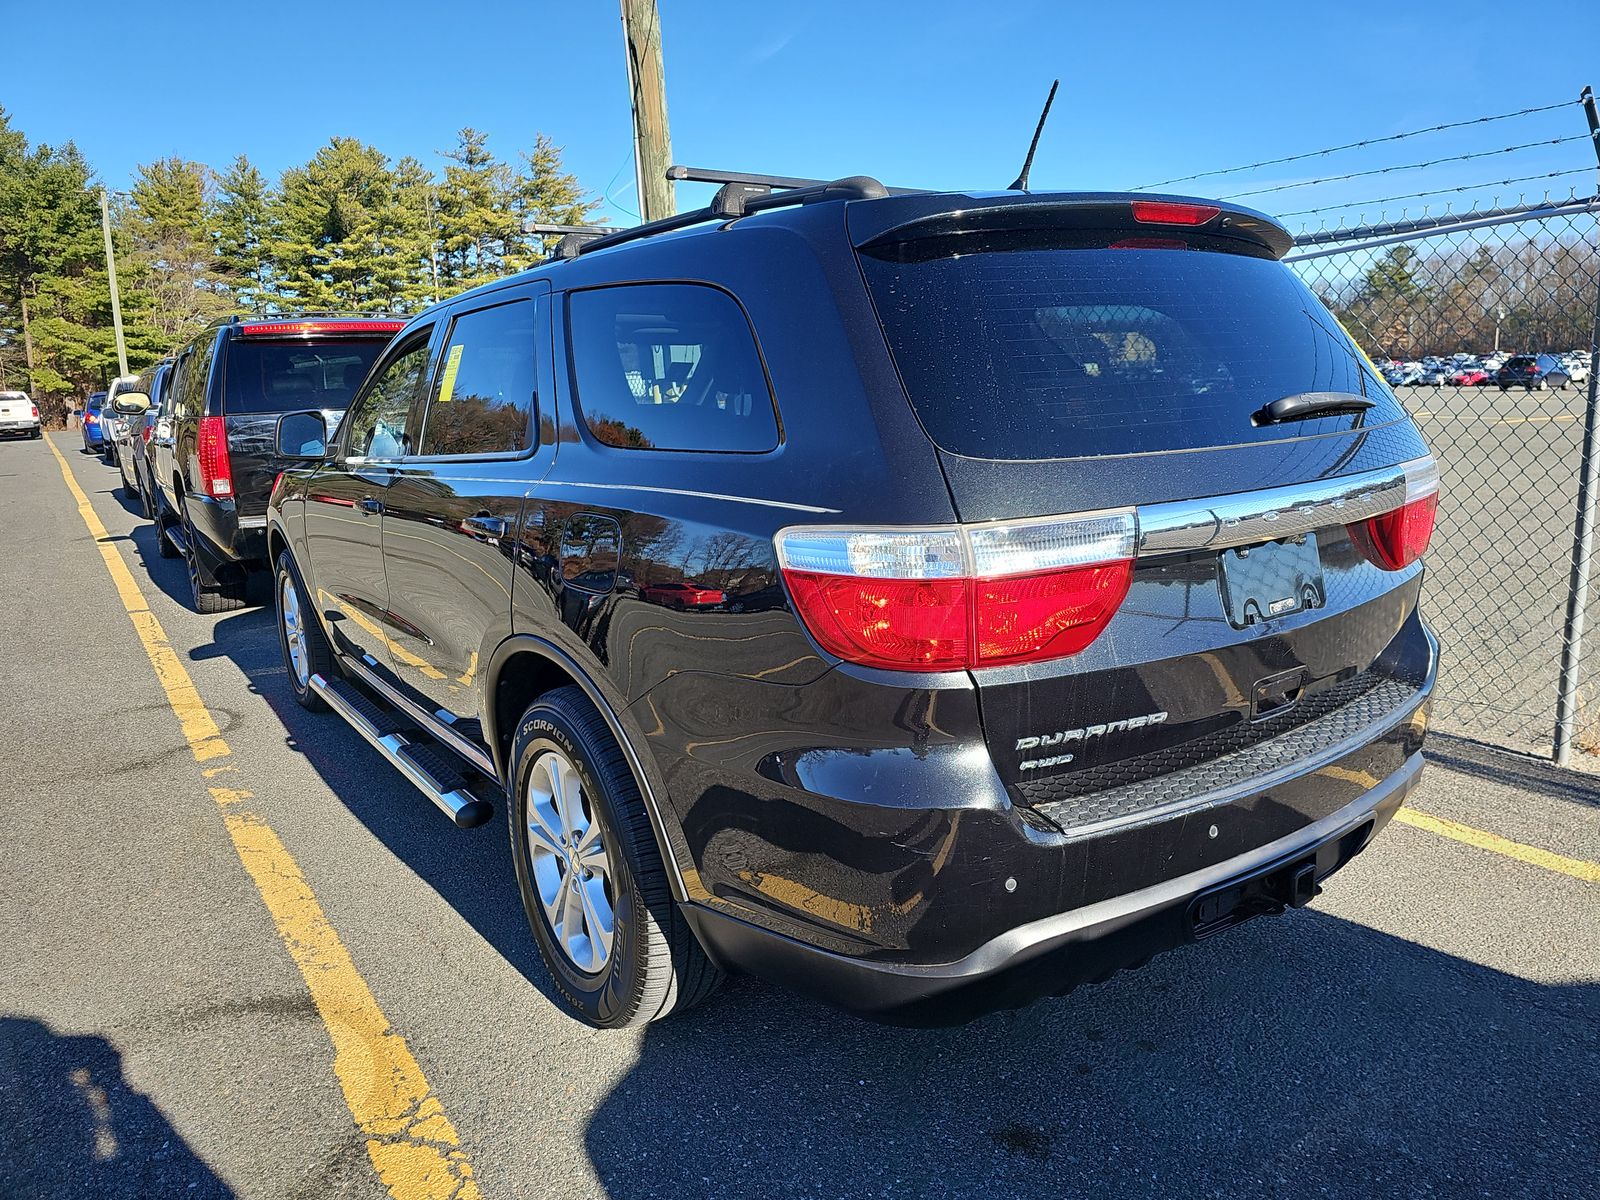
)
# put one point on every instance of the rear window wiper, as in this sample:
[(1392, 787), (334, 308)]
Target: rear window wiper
[(1303, 406)]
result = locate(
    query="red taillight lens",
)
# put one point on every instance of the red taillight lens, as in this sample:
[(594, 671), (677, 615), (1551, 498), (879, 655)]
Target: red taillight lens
[(216, 469), (147, 431), (905, 624), (35, 409), (953, 597), (1033, 617), (1171, 212), (1396, 539)]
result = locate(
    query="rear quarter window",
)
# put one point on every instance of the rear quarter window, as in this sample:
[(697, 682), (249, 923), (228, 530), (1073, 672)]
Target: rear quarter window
[(669, 367), (265, 376)]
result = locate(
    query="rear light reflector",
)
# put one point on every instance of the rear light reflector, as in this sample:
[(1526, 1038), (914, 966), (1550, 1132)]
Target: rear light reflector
[(216, 469), (1171, 212), (307, 328), (1396, 539), (953, 597)]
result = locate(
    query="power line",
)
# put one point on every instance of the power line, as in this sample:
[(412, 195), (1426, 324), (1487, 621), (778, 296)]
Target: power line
[(1302, 212), (1432, 162), (1395, 137)]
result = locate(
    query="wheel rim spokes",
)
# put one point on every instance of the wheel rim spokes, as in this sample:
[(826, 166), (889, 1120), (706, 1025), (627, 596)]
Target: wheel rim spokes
[(571, 868), (294, 634)]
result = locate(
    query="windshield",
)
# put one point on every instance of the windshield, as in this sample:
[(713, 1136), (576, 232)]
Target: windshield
[(285, 376), (1021, 347)]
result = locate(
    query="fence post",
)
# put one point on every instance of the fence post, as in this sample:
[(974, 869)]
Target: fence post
[(1582, 547)]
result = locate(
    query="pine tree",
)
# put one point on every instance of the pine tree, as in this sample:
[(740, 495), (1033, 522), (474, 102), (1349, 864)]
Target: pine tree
[(545, 193), (241, 234), (475, 220), (335, 224), (166, 258)]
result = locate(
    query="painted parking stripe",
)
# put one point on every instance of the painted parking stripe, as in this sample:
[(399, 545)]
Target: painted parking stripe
[(1484, 840), (412, 1144)]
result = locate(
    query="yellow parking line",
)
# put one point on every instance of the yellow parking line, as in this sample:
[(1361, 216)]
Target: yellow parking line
[(1495, 844), (412, 1144)]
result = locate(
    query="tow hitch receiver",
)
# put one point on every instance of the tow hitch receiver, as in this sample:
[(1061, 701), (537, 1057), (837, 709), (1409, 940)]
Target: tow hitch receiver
[(1267, 893)]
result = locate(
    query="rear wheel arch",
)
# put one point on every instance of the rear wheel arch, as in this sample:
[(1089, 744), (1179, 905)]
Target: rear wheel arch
[(525, 667)]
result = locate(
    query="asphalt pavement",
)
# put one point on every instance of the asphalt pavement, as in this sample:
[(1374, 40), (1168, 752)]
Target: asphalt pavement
[(1429, 1027)]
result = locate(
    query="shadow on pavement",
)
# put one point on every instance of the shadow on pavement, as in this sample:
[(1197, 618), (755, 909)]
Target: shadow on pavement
[(1305, 1056), (71, 1125), (1511, 769)]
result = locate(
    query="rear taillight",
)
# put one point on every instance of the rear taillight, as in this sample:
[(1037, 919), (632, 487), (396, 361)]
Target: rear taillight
[(953, 597), (146, 432), (1172, 212), (1396, 539), (34, 408), (216, 469)]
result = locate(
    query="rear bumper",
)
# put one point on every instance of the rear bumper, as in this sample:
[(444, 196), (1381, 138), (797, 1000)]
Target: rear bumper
[(1057, 953), (226, 538)]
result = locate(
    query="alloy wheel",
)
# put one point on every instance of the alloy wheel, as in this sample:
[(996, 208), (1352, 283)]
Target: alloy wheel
[(570, 865), (294, 631)]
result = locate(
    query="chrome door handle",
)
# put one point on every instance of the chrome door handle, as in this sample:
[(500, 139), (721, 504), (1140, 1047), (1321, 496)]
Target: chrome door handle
[(370, 506), (494, 527)]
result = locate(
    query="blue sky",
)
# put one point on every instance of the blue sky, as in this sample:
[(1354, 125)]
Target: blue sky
[(919, 94)]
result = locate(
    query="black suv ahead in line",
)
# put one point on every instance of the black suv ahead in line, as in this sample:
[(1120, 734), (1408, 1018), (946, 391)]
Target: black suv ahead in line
[(1055, 561), (212, 457)]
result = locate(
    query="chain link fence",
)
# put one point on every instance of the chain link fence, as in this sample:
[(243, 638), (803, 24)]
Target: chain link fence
[(1444, 305)]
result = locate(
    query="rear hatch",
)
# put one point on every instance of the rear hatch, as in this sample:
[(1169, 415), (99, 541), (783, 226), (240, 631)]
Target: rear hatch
[(1068, 357), (284, 367)]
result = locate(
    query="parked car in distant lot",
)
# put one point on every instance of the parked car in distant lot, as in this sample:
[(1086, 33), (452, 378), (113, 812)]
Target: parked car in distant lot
[(1088, 614), (113, 424), (19, 415), (133, 458), (1469, 377), (1578, 366), (1533, 372), (89, 425), (215, 464), (1404, 375)]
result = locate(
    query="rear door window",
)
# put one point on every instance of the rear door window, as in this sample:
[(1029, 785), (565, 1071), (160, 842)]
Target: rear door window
[(266, 376), (669, 366), (1023, 346), (483, 401)]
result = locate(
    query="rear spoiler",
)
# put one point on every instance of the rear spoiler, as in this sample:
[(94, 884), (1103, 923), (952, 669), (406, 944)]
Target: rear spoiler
[(901, 219)]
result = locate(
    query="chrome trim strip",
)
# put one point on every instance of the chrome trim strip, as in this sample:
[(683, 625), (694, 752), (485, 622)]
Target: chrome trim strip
[(1214, 523)]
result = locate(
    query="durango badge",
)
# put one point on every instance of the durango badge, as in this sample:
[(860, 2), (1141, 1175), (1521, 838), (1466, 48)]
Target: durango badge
[(1067, 737)]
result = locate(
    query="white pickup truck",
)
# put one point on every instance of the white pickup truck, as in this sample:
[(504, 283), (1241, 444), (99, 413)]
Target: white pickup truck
[(19, 415)]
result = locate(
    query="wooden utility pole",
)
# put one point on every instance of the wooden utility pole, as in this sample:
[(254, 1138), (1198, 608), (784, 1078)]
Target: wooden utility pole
[(647, 91), (111, 275)]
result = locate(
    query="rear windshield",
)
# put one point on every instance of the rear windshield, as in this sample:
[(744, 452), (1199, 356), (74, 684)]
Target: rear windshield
[(1017, 346), (268, 376)]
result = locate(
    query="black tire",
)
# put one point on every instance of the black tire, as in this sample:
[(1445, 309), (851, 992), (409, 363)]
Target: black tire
[(319, 655), (163, 542), (37, 434), (208, 594), (656, 966)]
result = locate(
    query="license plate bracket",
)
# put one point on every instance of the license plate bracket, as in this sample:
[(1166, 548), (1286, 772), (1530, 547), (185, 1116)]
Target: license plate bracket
[(1273, 579)]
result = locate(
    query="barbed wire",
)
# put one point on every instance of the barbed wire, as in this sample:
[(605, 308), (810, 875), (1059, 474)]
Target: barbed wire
[(1432, 162), (1471, 187), (1393, 137)]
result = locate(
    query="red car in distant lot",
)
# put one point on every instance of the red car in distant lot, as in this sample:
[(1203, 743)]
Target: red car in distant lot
[(1470, 377), (682, 596)]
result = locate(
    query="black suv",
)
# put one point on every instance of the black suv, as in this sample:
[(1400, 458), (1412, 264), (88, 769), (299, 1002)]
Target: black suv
[(211, 454), (929, 601)]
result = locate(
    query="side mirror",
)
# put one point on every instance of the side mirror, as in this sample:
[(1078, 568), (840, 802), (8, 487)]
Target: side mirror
[(302, 436), (130, 404)]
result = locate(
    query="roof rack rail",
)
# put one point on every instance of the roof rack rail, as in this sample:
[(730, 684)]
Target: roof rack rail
[(741, 197), (572, 236), (709, 175)]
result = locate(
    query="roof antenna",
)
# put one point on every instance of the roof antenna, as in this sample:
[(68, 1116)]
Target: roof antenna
[(1021, 184)]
